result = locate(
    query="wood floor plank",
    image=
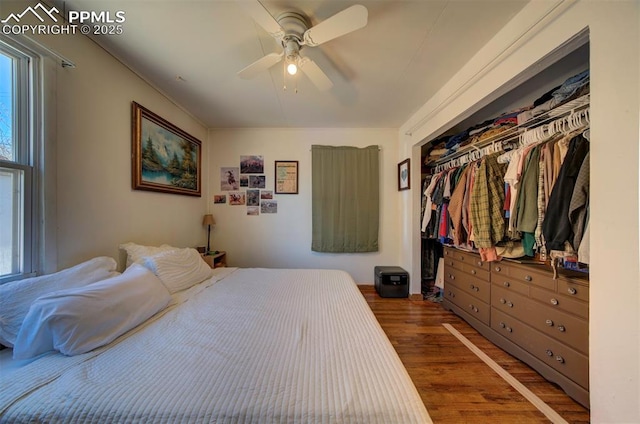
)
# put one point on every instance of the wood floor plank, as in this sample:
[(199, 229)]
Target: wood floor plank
[(454, 384)]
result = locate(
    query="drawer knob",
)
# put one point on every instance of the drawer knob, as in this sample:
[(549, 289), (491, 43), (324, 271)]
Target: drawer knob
[(479, 263), (498, 269), (461, 258), (452, 277), (509, 304), (471, 286), (561, 328), (560, 359), (473, 271), (554, 301), (549, 323), (506, 284), (572, 290), (528, 278), (476, 288), (503, 301), (502, 325), (549, 353), (509, 329), (450, 263)]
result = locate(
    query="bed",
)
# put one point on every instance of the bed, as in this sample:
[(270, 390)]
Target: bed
[(244, 346)]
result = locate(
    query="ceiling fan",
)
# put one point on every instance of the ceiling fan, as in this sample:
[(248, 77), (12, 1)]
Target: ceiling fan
[(292, 31)]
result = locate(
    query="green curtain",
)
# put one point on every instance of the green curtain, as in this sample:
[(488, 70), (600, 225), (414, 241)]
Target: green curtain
[(345, 196)]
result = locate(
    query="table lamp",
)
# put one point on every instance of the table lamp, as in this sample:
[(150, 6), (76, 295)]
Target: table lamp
[(208, 221)]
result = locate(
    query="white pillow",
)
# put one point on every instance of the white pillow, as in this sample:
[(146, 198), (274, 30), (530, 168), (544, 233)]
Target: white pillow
[(179, 269), (137, 252), (79, 320), (17, 296)]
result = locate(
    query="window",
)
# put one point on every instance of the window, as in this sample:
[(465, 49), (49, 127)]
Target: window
[(17, 164)]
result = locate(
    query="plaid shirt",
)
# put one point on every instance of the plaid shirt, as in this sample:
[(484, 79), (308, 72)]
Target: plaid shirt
[(487, 200)]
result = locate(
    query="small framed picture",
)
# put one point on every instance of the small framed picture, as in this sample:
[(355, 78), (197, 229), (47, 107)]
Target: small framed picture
[(404, 175), (286, 177)]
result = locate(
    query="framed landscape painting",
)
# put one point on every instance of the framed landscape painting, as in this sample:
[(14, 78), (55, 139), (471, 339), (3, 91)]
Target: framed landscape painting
[(164, 157)]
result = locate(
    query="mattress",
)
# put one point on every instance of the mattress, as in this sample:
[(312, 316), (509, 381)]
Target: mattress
[(247, 346)]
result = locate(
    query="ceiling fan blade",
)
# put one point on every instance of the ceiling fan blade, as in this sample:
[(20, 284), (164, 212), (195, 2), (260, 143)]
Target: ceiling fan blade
[(263, 18), (350, 19), (315, 74), (260, 65)]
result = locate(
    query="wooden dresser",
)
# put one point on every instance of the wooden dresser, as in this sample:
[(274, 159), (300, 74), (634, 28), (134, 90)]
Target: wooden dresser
[(521, 308)]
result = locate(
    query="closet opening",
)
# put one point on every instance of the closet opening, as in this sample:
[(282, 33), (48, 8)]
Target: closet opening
[(505, 212), (567, 60)]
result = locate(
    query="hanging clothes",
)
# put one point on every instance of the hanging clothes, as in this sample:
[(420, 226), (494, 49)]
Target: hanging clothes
[(487, 200), (527, 204), (428, 210), (556, 227), (458, 233), (579, 203)]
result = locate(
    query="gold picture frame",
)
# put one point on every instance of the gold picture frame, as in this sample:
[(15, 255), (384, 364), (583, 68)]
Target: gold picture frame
[(164, 157)]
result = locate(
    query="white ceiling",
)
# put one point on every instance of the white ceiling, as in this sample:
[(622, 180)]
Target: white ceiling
[(382, 73)]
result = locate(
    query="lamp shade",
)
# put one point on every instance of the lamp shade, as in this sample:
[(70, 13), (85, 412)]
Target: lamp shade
[(208, 220)]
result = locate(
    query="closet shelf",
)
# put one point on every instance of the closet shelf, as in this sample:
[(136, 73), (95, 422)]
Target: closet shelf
[(500, 141)]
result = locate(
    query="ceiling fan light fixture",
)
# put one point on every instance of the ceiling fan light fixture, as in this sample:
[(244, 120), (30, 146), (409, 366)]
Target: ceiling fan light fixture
[(292, 68), (292, 55), (293, 31)]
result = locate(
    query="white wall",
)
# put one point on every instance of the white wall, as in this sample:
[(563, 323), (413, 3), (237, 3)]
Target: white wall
[(96, 206), (615, 110), (283, 240)]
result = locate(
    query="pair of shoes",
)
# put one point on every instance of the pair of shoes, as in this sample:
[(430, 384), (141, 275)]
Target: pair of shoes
[(434, 298)]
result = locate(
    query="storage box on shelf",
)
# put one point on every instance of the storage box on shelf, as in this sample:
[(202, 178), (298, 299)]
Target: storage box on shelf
[(521, 308)]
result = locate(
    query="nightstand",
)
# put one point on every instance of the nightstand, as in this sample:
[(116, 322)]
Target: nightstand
[(216, 260)]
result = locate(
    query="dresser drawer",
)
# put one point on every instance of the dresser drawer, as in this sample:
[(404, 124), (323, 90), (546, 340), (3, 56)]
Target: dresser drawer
[(528, 275), (451, 263), (568, 329), (574, 289), (563, 303), (480, 272), (504, 281), (465, 257), (563, 359), (468, 303), (476, 287)]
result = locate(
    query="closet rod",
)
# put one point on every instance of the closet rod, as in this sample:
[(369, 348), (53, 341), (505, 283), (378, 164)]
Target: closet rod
[(549, 124), (514, 132)]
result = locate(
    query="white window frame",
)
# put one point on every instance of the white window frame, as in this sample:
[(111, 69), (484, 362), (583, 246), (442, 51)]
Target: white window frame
[(27, 114)]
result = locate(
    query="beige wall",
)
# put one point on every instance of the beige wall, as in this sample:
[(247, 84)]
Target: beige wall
[(95, 206), (283, 240), (615, 110)]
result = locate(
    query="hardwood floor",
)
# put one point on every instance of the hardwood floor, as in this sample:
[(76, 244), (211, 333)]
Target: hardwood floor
[(455, 385)]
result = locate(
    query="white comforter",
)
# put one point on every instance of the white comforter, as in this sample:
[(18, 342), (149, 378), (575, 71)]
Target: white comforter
[(247, 346)]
